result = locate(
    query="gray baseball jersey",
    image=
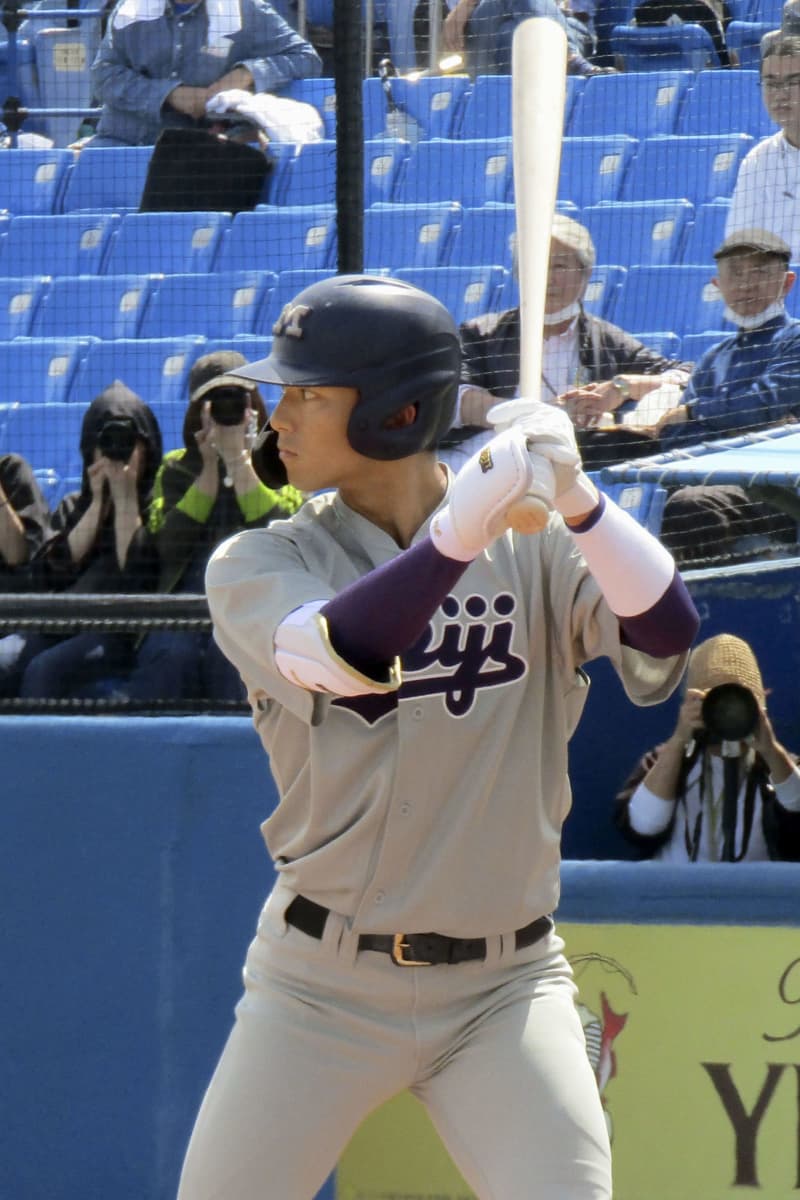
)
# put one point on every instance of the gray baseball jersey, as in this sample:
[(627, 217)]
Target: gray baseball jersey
[(439, 806)]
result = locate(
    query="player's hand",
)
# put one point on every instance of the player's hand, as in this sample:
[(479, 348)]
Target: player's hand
[(550, 438), (490, 495)]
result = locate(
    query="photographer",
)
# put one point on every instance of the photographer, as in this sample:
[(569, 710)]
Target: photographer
[(99, 543), (24, 522), (204, 493), (722, 788)]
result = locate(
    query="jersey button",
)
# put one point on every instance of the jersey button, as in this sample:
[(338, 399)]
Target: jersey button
[(405, 809), (380, 897), (417, 714)]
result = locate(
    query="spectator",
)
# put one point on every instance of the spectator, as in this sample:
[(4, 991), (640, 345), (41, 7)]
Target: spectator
[(204, 493), (161, 61), (485, 29), (746, 382), (673, 808), (24, 522), (767, 192), (590, 366), (100, 543)]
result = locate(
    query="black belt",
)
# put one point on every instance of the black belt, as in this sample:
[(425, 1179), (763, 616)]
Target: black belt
[(412, 949)]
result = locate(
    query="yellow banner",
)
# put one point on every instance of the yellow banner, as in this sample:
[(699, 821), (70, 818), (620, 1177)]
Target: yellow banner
[(694, 1034)]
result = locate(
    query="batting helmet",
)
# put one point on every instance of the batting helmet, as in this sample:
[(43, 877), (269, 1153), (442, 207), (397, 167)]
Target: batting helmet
[(392, 342)]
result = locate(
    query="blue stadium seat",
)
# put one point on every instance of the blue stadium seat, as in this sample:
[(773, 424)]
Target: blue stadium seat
[(321, 93), (63, 66), (157, 369), (699, 167), (603, 289), (57, 244), (31, 181), (410, 235), (39, 370), (50, 485), (594, 169), (282, 156), (20, 300), (643, 501), (310, 176), (473, 171), (110, 178), (721, 101), (707, 232), (289, 283), (744, 38), (47, 435), (680, 298), (465, 291), (641, 104), (694, 345), (485, 235), (663, 47), (278, 238), (384, 161), (107, 306), (664, 342), (170, 417), (169, 243), (486, 110), (219, 305), (433, 101), (640, 231)]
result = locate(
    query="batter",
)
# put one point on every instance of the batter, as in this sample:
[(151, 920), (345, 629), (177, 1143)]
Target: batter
[(414, 667)]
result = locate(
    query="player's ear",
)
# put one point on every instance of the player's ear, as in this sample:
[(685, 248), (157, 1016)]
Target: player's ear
[(788, 282), (404, 417)]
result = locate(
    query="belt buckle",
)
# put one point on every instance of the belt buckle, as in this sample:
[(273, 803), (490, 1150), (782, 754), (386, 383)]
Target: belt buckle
[(399, 944)]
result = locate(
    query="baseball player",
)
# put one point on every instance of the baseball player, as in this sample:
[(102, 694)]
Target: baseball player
[(414, 667)]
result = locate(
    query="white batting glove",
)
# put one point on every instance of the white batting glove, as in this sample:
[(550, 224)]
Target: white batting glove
[(550, 437), (499, 488)]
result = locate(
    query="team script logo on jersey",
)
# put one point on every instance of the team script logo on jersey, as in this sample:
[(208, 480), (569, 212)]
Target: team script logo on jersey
[(455, 658)]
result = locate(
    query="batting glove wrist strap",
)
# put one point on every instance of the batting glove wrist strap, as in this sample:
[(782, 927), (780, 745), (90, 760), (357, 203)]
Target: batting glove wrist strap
[(304, 655), (482, 493)]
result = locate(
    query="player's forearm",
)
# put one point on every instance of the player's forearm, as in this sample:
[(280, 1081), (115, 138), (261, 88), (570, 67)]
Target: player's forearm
[(639, 580), (384, 612)]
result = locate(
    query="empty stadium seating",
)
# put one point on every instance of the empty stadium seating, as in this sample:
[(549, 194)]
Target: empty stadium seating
[(719, 101), (280, 238), (411, 235), (39, 370), (108, 306), (641, 104), (485, 235), (680, 299), (165, 242), (157, 369), (650, 231), (666, 47), (31, 181), (594, 169), (473, 171), (697, 167), (106, 178), (56, 244), (432, 102), (706, 232), (465, 291), (221, 305), (20, 300)]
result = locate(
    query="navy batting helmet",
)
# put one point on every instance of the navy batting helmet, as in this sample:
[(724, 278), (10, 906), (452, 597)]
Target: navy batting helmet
[(392, 342)]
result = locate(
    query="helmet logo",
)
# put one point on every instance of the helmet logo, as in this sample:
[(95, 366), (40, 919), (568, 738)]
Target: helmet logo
[(485, 460), (290, 322)]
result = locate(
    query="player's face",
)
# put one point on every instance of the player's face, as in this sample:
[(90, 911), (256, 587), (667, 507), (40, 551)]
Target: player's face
[(780, 88), (311, 424), (566, 278), (751, 282)]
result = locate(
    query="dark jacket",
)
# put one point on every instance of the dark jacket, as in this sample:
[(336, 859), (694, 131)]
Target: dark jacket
[(25, 497), (781, 828), (98, 570), (491, 352)]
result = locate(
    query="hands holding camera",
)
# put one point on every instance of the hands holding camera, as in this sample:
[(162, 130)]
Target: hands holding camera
[(229, 444)]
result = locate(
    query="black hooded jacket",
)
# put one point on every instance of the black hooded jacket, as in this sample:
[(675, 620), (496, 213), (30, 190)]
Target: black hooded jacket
[(98, 570)]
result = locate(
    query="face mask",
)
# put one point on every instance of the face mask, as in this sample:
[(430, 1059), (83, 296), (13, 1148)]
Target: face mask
[(555, 318), (772, 310)]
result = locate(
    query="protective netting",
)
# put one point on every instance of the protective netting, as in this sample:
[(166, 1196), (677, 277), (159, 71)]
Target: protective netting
[(159, 208)]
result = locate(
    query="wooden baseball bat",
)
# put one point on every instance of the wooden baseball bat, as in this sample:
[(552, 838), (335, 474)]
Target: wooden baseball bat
[(538, 96)]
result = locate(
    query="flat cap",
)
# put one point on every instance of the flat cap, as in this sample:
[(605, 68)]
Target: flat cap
[(755, 240)]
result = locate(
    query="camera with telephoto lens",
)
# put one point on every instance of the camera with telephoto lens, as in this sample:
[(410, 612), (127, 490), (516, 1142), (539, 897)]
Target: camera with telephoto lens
[(228, 404), (117, 438), (730, 712)]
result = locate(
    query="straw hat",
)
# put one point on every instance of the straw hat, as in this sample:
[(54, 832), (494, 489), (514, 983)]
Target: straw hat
[(724, 659)]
